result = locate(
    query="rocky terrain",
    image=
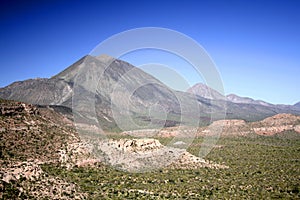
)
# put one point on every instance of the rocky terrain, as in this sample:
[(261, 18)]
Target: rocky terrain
[(33, 136), (29, 132), (277, 124), (30, 137)]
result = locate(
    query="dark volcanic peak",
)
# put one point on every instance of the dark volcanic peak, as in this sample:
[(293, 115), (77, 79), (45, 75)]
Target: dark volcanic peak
[(205, 91)]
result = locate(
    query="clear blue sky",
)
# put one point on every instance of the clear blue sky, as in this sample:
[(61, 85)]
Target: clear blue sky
[(255, 44)]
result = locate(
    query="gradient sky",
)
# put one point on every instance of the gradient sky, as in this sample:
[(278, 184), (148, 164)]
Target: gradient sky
[(255, 44)]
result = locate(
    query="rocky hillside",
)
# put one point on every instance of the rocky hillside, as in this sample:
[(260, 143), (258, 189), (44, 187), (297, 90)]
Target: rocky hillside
[(29, 132), (34, 136), (30, 137), (277, 124)]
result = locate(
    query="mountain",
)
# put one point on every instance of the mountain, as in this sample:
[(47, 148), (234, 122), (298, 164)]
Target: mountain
[(114, 95), (107, 83), (279, 108), (297, 105), (242, 107), (237, 99), (205, 91)]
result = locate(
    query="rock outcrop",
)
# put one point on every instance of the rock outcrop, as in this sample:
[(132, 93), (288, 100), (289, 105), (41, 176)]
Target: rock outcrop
[(140, 155)]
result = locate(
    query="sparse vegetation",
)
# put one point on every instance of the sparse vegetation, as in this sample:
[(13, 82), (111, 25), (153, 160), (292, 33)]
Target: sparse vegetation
[(265, 167), (260, 167)]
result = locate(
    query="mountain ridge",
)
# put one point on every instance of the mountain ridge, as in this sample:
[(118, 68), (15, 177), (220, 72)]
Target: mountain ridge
[(238, 99), (117, 80), (297, 104), (205, 91)]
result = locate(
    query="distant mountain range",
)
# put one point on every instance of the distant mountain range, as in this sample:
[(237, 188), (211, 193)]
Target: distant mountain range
[(199, 102), (297, 105), (237, 99), (209, 93)]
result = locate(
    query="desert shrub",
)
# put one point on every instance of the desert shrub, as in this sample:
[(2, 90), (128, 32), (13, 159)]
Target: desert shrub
[(259, 167)]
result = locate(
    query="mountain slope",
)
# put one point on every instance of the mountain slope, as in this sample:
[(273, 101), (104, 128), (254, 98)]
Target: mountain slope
[(37, 91), (121, 96), (37, 132)]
